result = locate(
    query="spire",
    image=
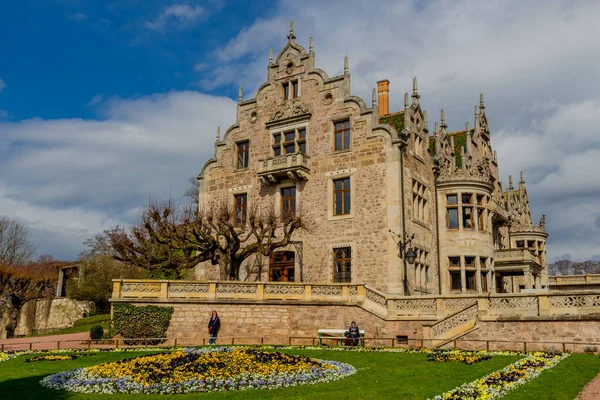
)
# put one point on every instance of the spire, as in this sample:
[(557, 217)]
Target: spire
[(481, 104), (406, 104), (443, 121), (311, 46), (522, 178), (425, 123), (495, 157), (436, 127), (510, 183), (476, 112), (240, 95), (291, 35), (218, 134), (270, 56), (415, 95), (467, 127), (346, 69)]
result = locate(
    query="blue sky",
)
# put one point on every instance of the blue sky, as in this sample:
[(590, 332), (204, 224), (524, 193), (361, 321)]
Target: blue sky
[(104, 104)]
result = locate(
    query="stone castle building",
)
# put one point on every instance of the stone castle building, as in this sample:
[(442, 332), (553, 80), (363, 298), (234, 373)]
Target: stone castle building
[(371, 179)]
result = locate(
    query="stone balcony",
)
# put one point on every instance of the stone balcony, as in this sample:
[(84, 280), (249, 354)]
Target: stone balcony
[(289, 166), (516, 256)]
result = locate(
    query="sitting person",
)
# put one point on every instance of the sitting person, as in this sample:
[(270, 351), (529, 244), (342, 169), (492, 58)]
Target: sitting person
[(353, 334)]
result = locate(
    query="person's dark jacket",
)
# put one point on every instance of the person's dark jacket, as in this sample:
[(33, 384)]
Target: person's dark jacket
[(214, 324), (354, 331)]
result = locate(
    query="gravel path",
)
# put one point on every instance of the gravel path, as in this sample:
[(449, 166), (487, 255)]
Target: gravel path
[(591, 391), (72, 340)]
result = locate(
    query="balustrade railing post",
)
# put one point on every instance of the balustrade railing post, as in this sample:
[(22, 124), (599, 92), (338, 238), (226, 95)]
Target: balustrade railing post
[(117, 284), (487, 345), (58, 345), (212, 290), (308, 292), (543, 305), (524, 347), (482, 306), (164, 290), (440, 307), (260, 291)]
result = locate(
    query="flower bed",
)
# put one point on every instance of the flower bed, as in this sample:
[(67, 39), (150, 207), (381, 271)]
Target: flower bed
[(199, 370), (58, 357), (498, 383), (466, 357)]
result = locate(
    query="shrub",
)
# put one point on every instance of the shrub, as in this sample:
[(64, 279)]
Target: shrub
[(96, 332), (141, 322)]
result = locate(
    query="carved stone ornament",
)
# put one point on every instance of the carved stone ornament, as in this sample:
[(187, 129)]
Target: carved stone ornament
[(454, 321), (327, 290), (253, 117), (289, 111), (284, 289), (140, 287), (327, 99)]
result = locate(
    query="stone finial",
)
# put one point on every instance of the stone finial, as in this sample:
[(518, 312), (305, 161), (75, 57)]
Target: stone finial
[(543, 222), (481, 103), (415, 95), (291, 35), (374, 98), (271, 56), (240, 94), (476, 112), (495, 156), (443, 120), (218, 133), (467, 126), (522, 177), (406, 103), (436, 127), (510, 182), (311, 45), (425, 123), (346, 68)]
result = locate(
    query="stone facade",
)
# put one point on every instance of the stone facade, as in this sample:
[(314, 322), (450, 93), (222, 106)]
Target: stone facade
[(368, 178)]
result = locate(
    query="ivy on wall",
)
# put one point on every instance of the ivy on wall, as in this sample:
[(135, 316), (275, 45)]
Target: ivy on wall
[(396, 121), (141, 322)]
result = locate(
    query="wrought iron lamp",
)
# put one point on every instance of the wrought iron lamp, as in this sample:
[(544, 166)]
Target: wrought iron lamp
[(405, 249)]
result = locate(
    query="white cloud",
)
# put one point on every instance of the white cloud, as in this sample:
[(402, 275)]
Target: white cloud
[(79, 16), (95, 100), (77, 177), (2, 85), (177, 15)]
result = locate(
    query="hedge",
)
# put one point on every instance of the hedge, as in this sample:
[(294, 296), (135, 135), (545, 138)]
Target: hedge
[(133, 322), (96, 332)]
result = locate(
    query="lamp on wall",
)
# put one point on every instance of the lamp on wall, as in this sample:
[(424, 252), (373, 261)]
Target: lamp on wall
[(405, 249)]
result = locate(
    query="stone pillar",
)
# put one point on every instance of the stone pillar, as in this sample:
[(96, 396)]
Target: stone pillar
[(528, 280), (463, 276), (59, 285)]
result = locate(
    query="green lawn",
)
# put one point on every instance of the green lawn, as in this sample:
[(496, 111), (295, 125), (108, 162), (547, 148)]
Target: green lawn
[(81, 325), (380, 376)]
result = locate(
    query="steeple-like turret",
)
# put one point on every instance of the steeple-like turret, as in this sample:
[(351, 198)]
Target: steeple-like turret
[(415, 96)]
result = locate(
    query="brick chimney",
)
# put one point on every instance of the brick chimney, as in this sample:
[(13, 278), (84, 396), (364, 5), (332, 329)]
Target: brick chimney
[(383, 97)]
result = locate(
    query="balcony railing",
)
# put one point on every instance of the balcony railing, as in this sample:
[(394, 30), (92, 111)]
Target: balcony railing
[(289, 166)]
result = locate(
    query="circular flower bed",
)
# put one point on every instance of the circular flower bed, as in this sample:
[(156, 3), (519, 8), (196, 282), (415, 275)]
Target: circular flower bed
[(199, 370)]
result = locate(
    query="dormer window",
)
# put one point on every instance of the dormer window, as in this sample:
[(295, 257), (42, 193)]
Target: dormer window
[(291, 90)]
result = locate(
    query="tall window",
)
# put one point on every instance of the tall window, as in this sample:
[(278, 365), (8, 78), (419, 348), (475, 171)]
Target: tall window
[(452, 211), (467, 211), (288, 202), (292, 141), (470, 273), (481, 212), (241, 206), (454, 269), (341, 196), (342, 135), (242, 154), (290, 90), (484, 274), (420, 210), (342, 261), (422, 277)]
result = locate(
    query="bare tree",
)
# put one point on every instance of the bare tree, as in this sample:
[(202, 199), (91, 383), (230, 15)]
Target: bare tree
[(193, 192), (169, 238), (16, 247), (22, 283)]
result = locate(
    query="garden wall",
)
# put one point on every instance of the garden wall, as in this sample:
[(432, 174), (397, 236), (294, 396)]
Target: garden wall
[(45, 315)]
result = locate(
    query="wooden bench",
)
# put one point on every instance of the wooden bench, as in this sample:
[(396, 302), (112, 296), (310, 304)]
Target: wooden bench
[(339, 333)]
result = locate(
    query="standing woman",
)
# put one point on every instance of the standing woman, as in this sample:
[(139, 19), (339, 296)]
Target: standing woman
[(214, 324)]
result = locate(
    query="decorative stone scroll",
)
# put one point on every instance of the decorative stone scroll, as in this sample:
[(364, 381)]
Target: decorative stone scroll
[(375, 297), (424, 304), (458, 304), (353, 290), (141, 287), (188, 287), (327, 290), (284, 289), (290, 111), (454, 321), (574, 301), (508, 303), (235, 288)]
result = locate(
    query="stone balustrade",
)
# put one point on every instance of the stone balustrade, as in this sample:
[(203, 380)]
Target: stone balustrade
[(567, 280), (293, 166), (391, 307)]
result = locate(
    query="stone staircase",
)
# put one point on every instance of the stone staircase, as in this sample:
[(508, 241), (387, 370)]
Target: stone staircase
[(451, 327)]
